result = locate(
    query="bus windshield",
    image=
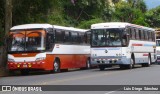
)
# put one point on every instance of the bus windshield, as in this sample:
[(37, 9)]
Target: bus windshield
[(106, 37), (26, 40)]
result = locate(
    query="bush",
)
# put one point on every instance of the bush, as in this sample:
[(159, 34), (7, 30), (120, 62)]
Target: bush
[(87, 24)]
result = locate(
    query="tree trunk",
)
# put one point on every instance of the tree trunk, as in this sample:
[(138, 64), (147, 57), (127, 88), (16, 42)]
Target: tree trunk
[(8, 25)]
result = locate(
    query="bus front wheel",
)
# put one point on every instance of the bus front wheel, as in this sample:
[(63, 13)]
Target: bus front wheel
[(56, 66)]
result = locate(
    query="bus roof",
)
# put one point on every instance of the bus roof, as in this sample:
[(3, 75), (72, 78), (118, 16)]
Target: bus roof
[(37, 26), (31, 26), (117, 25), (69, 28)]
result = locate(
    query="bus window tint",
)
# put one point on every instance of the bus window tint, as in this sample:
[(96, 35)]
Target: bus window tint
[(58, 36), (153, 36), (133, 33), (50, 41), (74, 37), (150, 35), (106, 37)]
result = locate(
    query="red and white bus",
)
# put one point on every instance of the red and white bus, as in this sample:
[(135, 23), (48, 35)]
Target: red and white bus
[(47, 47)]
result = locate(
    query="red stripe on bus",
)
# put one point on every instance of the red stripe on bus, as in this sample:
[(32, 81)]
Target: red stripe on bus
[(145, 54), (136, 44)]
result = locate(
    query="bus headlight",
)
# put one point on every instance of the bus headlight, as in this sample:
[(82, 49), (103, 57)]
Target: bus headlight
[(11, 60), (40, 59)]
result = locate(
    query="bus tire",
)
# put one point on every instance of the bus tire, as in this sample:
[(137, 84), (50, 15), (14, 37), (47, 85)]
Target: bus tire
[(56, 66), (131, 65), (88, 64), (147, 64), (122, 67), (149, 61), (101, 67), (24, 72)]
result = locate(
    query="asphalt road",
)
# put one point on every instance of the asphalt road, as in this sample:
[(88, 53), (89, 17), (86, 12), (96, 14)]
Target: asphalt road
[(110, 76)]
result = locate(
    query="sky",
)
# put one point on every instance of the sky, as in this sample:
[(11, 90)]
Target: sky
[(152, 3)]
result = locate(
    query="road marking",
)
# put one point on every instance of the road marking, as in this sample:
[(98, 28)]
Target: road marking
[(113, 91), (110, 92), (76, 78)]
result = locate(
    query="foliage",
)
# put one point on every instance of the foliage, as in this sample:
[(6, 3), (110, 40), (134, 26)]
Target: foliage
[(81, 13), (153, 17), (2, 13), (87, 24), (131, 11)]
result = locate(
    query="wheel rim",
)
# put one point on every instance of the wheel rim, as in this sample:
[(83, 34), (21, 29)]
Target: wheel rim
[(131, 64), (149, 61), (56, 66), (88, 64)]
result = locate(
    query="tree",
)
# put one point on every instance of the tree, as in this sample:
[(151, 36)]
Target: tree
[(131, 11), (8, 16), (2, 21), (153, 17)]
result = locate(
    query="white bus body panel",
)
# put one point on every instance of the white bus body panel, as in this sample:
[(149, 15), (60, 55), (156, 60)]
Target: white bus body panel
[(122, 55)]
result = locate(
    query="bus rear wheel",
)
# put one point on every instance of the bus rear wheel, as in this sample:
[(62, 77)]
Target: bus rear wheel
[(101, 67), (122, 67), (88, 64), (56, 66), (147, 64)]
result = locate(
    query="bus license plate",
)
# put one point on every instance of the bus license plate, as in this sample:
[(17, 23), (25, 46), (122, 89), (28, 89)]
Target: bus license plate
[(24, 66)]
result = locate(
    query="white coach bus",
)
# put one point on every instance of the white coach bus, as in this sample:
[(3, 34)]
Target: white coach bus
[(123, 44), (47, 47), (158, 45)]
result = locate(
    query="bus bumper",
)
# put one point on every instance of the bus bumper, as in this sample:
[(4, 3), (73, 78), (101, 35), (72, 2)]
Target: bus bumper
[(110, 61), (39, 65)]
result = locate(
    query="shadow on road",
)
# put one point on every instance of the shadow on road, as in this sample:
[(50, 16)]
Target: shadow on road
[(35, 73), (117, 68)]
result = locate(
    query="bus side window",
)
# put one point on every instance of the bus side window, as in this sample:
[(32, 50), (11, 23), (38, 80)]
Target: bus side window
[(74, 37), (150, 35), (63, 36), (85, 38), (79, 38), (67, 37), (88, 37), (142, 35), (58, 36), (133, 34), (137, 34), (146, 35), (50, 41), (153, 36), (130, 32)]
